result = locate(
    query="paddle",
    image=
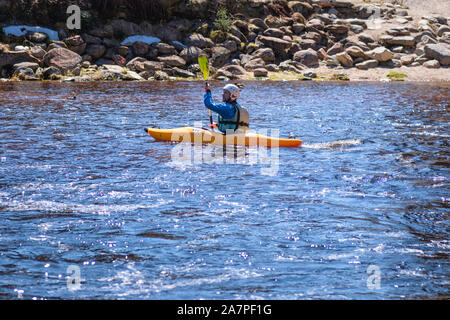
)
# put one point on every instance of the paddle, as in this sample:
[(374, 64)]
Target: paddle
[(203, 63)]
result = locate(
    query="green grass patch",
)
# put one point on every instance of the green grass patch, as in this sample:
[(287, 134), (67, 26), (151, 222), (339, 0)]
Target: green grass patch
[(396, 75)]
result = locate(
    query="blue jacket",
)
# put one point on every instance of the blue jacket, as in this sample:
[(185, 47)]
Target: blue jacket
[(225, 110)]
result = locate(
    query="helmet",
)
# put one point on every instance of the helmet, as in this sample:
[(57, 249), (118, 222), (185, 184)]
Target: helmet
[(233, 90)]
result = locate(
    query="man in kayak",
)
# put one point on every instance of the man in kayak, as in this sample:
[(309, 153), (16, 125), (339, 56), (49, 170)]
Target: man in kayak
[(231, 115)]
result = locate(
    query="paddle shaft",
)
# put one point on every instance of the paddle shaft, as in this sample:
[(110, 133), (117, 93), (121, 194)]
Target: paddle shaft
[(210, 114)]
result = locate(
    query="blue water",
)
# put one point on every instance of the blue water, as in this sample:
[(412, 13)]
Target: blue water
[(83, 187)]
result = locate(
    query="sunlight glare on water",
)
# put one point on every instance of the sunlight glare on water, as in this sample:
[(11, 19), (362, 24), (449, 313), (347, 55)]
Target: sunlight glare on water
[(82, 184)]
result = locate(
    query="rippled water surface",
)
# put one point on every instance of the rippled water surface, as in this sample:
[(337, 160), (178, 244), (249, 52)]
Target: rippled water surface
[(83, 187)]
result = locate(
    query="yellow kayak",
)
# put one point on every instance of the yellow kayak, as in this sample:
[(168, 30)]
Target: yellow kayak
[(200, 135)]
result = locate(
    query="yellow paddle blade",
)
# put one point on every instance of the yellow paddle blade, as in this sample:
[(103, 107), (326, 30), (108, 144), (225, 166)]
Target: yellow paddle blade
[(203, 63)]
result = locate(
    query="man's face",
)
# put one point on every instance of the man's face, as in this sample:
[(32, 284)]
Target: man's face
[(226, 96)]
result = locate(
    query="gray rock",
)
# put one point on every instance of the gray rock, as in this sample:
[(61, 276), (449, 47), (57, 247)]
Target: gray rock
[(161, 75), (272, 67), (445, 38), (62, 58), (50, 72), (136, 64), (439, 52), (277, 45), (76, 44), (381, 54), (345, 59), (140, 48), (406, 41), (335, 49), (56, 44), (24, 72), (198, 40), (369, 64), (307, 57), (173, 61), (177, 72), (308, 44), (230, 45), (257, 63), (273, 32), (366, 38), (355, 52), (442, 30), (234, 69), (408, 59), (132, 76), (432, 64), (310, 74), (265, 54), (260, 72), (191, 54), (297, 28), (165, 49), (22, 65), (38, 52), (393, 63)]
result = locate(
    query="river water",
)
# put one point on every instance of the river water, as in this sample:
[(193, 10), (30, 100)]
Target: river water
[(91, 207)]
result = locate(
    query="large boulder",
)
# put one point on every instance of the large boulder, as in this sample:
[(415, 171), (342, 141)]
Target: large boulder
[(337, 28), (26, 65), (62, 58), (257, 63), (260, 72), (38, 52), (234, 69), (308, 44), (369, 64), (140, 48), (173, 61), (76, 44), (439, 52), (177, 72), (165, 49), (274, 32), (278, 45), (381, 54), (191, 54), (406, 41), (12, 57), (407, 59), (335, 49), (265, 54), (198, 40), (345, 59), (355, 52), (307, 57), (220, 56), (432, 64), (136, 64)]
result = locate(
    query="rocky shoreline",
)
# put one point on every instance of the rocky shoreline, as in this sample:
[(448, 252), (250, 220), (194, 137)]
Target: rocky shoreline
[(315, 39)]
